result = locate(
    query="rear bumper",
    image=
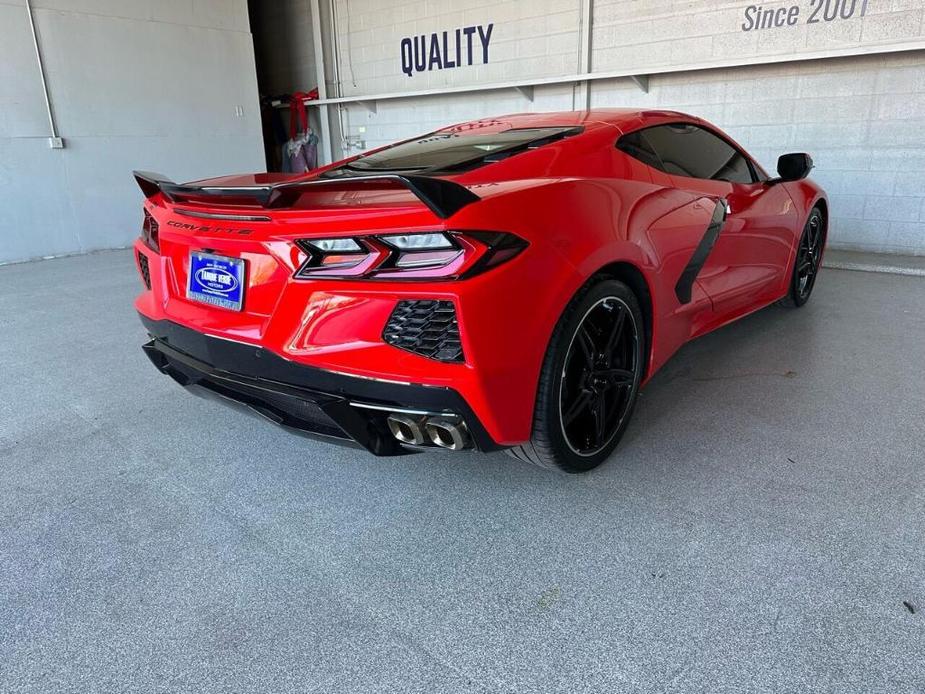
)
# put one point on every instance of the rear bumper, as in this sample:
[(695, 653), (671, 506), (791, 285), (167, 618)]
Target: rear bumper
[(307, 400)]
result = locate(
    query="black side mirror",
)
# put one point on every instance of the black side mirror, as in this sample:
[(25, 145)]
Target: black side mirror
[(794, 167)]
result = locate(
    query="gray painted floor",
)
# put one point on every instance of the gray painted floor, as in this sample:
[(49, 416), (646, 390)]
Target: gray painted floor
[(759, 529)]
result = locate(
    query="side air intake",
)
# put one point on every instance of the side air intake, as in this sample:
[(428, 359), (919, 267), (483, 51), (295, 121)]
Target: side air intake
[(427, 327), (144, 269)]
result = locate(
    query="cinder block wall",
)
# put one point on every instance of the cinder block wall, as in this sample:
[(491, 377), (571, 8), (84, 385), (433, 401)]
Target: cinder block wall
[(862, 117), (168, 86)]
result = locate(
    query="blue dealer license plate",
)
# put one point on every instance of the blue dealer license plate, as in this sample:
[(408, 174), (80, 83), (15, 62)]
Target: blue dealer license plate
[(216, 280)]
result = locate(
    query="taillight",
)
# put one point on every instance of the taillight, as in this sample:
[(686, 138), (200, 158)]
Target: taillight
[(432, 255), (149, 231), (422, 251)]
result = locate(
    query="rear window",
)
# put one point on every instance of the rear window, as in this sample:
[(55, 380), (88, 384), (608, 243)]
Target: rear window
[(456, 151)]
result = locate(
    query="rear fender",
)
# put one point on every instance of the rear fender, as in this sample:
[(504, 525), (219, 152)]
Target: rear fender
[(806, 195), (593, 223)]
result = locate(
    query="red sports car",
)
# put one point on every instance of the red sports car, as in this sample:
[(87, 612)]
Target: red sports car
[(508, 283)]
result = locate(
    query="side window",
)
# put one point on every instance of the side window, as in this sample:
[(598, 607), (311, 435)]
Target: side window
[(687, 150), (636, 145)]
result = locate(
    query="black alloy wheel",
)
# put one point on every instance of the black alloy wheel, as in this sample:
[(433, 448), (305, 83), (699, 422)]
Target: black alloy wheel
[(598, 377), (589, 381), (809, 258)]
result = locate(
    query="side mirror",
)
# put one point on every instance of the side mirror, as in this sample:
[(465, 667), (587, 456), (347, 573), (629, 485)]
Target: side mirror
[(794, 167)]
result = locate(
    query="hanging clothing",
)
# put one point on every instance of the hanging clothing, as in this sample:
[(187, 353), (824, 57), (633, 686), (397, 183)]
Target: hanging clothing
[(300, 153)]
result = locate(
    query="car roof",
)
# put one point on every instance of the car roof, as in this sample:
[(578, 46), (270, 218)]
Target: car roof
[(622, 118)]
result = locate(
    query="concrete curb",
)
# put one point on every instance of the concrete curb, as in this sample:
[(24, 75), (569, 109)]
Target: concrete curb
[(868, 267)]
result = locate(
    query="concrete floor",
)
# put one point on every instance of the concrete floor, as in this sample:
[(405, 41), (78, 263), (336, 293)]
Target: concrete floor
[(758, 531)]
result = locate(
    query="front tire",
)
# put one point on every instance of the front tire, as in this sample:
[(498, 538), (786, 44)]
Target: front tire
[(589, 381), (808, 259)]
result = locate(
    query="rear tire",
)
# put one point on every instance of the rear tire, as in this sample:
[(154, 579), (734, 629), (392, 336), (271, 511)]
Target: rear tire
[(807, 261), (589, 381)]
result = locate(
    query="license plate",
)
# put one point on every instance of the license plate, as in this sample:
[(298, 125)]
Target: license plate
[(216, 280)]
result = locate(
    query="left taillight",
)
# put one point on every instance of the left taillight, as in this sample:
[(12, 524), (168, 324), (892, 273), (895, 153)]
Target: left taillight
[(149, 232), (430, 255)]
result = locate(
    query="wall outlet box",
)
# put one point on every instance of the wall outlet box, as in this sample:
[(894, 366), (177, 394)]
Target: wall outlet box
[(56, 143)]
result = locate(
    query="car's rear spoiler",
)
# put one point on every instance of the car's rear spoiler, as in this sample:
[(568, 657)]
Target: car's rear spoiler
[(444, 198)]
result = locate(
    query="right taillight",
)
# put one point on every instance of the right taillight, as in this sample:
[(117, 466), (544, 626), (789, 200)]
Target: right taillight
[(149, 232), (411, 256)]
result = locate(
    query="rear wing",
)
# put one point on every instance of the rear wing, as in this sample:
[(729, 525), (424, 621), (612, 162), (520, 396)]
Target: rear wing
[(443, 197)]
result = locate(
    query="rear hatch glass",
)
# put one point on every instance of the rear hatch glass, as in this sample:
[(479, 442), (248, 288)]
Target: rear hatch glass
[(447, 151)]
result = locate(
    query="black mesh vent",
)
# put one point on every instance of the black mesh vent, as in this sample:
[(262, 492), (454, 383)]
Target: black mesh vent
[(425, 327), (145, 271)]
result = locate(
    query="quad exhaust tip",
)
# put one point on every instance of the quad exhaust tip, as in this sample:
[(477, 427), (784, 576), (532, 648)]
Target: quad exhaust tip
[(447, 433), (407, 429), (441, 431)]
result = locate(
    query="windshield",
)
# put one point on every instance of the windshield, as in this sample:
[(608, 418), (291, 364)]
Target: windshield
[(448, 150)]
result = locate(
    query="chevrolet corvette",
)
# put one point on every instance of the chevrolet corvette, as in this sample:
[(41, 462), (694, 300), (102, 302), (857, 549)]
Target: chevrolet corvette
[(507, 283)]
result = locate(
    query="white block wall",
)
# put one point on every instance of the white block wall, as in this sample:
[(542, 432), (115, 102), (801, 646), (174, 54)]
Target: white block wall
[(134, 85), (861, 117), (158, 85)]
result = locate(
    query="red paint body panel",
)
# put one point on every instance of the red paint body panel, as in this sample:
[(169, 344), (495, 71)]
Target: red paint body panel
[(580, 203)]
